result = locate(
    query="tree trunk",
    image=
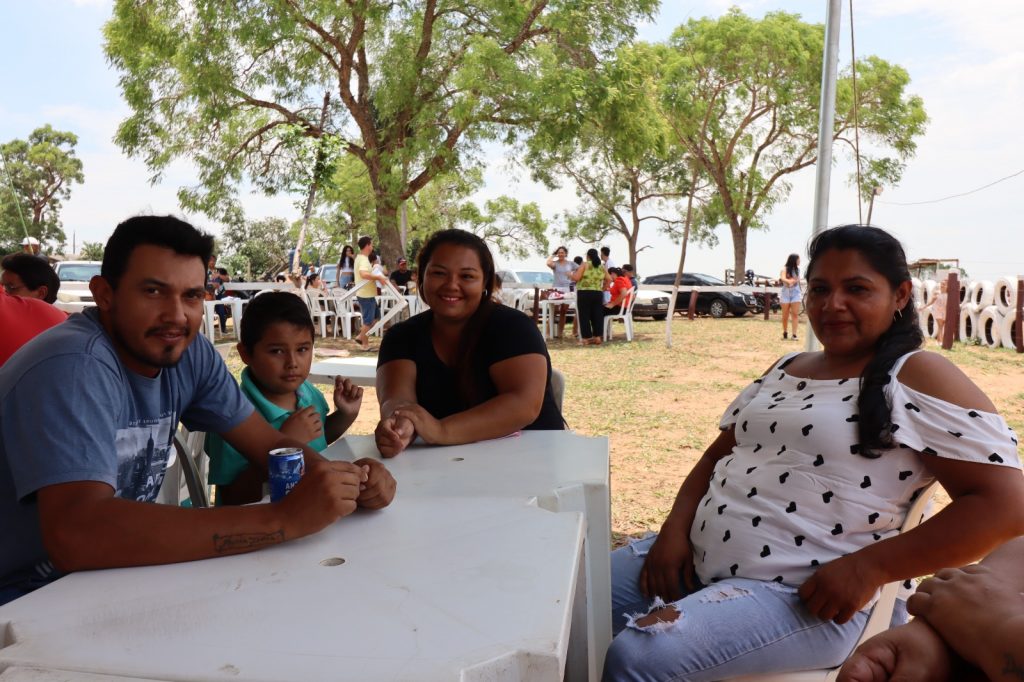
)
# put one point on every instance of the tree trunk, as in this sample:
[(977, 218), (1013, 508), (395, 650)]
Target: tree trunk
[(389, 241), (739, 251)]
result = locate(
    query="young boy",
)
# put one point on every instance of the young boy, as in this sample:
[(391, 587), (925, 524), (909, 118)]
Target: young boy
[(277, 348)]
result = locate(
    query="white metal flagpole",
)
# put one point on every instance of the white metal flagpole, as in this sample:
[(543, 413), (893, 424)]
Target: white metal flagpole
[(826, 122)]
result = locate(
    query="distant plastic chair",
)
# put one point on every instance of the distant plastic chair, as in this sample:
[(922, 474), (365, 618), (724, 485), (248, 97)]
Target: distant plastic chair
[(344, 314), (320, 310), (881, 612), (558, 387), (626, 316)]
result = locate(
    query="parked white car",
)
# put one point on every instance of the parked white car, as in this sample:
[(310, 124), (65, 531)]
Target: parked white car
[(74, 280)]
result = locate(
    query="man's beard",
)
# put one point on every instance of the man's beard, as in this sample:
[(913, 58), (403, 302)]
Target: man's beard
[(162, 361)]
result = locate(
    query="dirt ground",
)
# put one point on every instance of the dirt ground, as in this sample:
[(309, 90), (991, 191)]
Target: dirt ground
[(660, 406)]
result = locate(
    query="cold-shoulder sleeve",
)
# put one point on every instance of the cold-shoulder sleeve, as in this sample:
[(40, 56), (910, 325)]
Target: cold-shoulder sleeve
[(738, 403), (933, 426)]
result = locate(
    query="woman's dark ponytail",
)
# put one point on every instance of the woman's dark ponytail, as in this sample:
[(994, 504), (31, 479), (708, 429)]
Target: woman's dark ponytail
[(875, 413), (885, 254)]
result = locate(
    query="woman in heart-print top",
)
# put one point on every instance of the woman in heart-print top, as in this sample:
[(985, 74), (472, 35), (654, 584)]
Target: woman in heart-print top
[(786, 528)]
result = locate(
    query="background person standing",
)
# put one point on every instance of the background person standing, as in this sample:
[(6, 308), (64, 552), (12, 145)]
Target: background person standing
[(590, 278), (791, 295), (366, 282)]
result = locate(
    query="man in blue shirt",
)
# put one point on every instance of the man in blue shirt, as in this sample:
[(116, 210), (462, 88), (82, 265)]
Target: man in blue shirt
[(88, 411)]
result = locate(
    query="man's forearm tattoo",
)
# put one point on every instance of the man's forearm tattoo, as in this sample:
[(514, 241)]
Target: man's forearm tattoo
[(241, 541)]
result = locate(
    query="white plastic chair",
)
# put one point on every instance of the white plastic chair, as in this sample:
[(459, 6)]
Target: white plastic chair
[(626, 316), (881, 612), (187, 468), (318, 308), (344, 313), (558, 387)]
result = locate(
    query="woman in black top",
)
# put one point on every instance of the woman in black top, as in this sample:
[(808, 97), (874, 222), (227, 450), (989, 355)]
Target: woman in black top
[(468, 369)]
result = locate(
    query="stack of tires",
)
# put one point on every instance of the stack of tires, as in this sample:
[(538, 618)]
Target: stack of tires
[(987, 310)]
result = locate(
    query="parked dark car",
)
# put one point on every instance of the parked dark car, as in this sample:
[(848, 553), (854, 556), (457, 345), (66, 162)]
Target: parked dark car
[(713, 303)]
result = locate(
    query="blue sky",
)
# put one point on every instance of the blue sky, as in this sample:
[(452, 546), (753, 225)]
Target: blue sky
[(966, 62)]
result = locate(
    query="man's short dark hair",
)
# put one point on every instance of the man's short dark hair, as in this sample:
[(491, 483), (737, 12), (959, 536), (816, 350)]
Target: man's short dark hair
[(34, 272), (627, 268), (166, 231), (269, 308), (364, 240), (605, 251)]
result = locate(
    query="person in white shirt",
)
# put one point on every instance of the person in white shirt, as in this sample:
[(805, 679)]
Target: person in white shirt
[(781, 535)]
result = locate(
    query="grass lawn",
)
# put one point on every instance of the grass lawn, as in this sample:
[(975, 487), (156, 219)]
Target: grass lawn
[(660, 407)]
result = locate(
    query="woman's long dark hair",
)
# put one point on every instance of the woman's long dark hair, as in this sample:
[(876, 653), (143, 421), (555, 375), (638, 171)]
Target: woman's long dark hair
[(467, 356), (347, 259), (885, 255), (792, 269), (594, 259)]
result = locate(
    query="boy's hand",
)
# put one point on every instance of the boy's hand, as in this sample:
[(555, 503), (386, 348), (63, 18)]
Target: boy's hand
[(380, 486), (348, 397), (304, 425)]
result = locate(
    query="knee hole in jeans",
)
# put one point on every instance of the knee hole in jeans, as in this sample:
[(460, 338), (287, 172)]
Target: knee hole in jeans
[(658, 618)]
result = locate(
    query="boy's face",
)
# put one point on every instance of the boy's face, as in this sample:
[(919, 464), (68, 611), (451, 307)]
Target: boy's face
[(280, 361)]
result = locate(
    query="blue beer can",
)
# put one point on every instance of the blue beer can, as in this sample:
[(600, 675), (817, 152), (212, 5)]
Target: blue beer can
[(285, 467)]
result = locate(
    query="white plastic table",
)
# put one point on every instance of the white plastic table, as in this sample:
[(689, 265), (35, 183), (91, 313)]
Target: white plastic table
[(361, 370), (463, 589), (561, 470), (548, 319)]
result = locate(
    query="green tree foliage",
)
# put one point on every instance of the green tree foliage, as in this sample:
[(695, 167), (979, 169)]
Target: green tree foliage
[(618, 155), (39, 174), (261, 244), (741, 96), (416, 85), (510, 227), (92, 251)]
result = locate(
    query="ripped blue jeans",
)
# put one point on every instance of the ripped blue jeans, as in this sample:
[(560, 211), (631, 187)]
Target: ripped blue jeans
[(734, 627)]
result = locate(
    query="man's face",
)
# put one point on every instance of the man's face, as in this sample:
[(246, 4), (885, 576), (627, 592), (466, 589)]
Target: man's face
[(15, 286), (403, 266), (155, 312), (367, 249)]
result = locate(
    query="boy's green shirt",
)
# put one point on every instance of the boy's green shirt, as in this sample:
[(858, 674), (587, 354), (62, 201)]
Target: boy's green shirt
[(226, 463)]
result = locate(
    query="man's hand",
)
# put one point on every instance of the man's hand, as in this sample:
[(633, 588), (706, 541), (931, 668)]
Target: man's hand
[(348, 398), (379, 489), (326, 492), (910, 653), (670, 554), (393, 435), (304, 425), (971, 607), (841, 587), (431, 430)]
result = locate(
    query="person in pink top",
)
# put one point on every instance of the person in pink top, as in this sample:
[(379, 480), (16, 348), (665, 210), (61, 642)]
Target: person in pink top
[(23, 318)]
